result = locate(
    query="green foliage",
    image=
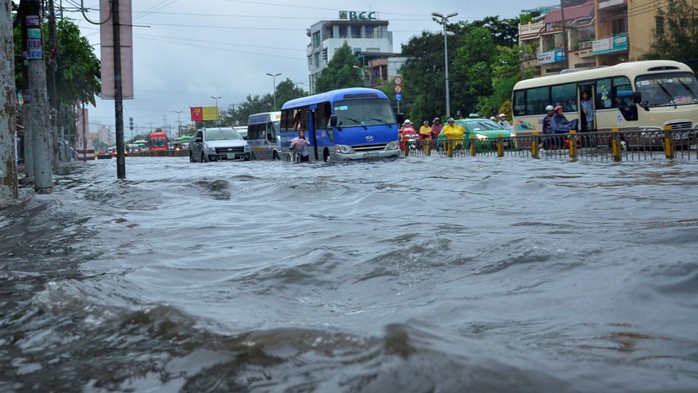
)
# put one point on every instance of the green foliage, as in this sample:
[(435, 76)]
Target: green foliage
[(79, 71), (237, 115), (676, 34), (340, 71), (473, 67)]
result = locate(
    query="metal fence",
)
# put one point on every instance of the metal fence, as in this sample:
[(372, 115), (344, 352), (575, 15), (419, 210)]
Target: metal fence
[(614, 145)]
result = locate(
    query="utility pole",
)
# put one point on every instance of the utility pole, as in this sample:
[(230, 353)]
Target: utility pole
[(9, 189), (53, 96), (38, 100), (118, 95), (565, 62)]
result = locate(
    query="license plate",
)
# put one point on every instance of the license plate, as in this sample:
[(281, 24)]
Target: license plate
[(231, 156), (371, 155)]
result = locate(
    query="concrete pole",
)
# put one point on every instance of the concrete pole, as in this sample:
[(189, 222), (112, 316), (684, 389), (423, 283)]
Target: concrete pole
[(9, 189), (39, 108)]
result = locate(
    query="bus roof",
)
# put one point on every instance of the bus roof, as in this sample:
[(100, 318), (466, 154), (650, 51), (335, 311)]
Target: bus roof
[(335, 95), (631, 68), (263, 117)]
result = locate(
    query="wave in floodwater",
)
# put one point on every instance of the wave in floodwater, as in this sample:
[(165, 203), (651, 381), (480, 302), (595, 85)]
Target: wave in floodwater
[(413, 275)]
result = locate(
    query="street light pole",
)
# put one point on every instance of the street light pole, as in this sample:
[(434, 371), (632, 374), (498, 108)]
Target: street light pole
[(444, 20), (218, 112), (273, 78), (179, 123)]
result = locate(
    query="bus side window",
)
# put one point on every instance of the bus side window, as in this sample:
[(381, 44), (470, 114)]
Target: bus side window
[(625, 104)]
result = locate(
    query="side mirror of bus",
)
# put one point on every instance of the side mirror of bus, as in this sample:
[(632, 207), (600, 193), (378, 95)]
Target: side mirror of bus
[(400, 118), (333, 121)]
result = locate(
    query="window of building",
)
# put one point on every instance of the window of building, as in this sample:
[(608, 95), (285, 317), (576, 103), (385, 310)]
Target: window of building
[(618, 26), (659, 26), (316, 39), (316, 59), (369, 32), (342, 32), (355, 31)]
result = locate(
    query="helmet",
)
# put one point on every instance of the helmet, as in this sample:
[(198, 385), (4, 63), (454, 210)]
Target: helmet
[(426, 122), (437, 119), (407, 121), (493, 118), (450, 119), (558, 108), (549, 108), (502, 115)]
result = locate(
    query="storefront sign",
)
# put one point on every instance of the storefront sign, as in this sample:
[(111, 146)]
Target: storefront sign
[(358, 15), (617, 43), (555, 56)]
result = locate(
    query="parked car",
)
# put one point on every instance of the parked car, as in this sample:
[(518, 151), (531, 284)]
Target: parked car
[(218, 143)]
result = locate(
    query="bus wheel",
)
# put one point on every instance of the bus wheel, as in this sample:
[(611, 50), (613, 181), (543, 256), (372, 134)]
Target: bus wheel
[(275, 155)]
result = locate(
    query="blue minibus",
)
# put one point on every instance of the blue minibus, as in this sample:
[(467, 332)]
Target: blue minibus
[(345, 124)]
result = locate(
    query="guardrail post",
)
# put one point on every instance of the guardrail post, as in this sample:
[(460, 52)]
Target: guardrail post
[(472, 145), (615, 145), (500, 145), (668, 145), (534, 145), (573, 145)]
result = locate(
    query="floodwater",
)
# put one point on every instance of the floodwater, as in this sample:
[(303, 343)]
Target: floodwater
[(474, 274)]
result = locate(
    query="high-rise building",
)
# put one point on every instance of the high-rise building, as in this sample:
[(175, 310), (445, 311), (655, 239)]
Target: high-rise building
[(366, 34)]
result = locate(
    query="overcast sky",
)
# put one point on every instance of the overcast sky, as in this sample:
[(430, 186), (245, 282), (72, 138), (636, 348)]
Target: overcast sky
[(186, 52)]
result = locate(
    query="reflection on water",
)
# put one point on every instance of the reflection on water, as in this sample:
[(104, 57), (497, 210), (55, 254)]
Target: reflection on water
[(411, 275)]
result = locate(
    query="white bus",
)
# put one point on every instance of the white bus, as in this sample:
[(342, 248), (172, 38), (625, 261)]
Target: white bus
[(633, 96), (263, 135)]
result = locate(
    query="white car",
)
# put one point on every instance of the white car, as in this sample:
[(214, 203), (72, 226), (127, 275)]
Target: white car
[(218, 143)]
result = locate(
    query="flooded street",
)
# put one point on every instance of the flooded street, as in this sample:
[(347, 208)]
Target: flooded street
[(417, 275)]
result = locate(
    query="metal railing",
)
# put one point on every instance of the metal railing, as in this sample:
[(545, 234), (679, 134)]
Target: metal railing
[(614, 145)]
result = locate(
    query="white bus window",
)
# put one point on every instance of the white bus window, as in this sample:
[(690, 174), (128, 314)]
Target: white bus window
[(565, 95), (604, 100)]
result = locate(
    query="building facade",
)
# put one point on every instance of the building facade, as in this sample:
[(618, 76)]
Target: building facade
[(594, 33), (365, 33)]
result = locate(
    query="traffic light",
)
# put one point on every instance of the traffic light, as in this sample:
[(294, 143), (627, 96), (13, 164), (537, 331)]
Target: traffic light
[(130, 123)]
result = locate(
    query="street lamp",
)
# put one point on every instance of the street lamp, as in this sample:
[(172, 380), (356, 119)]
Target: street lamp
[(218, 115), (363, 74), (444, 20), (179, 123), (273, 77)]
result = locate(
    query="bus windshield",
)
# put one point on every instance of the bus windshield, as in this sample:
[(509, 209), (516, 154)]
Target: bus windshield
[(363, 112), (668, 89)]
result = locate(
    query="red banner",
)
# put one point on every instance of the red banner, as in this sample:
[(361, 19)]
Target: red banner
[(197, 113)]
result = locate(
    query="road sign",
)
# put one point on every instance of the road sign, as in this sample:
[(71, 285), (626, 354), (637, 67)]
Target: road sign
[(397, 80), (398, 97), (398, 89)]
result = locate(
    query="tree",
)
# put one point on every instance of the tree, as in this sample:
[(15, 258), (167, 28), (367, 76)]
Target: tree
[(237, 115), (474, 67), (676, 34), (340, 71)]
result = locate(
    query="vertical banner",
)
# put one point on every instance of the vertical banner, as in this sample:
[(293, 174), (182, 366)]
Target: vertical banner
[(106, 32)]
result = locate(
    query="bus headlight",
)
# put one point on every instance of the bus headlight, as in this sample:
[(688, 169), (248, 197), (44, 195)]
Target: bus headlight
[(344, 149), (394, 145)]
